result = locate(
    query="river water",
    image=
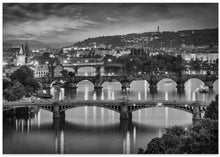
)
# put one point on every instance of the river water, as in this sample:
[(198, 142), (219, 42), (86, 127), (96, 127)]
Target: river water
[(94, 130)]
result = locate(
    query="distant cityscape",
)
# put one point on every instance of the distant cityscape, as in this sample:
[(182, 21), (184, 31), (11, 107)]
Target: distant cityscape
[(205, 49)]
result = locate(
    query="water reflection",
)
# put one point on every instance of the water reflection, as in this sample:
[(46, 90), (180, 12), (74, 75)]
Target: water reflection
[(98, 130), (139, 90), (101, 131)]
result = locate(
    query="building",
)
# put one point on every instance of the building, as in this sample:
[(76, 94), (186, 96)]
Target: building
[(21, 54), (66, 49), (200, 56), (41, 71), (121, 53), (57, 70)]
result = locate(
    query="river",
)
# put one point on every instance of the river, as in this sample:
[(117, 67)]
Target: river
[(94, 130)]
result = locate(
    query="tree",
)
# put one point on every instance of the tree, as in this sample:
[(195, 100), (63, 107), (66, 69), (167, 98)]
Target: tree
[(200, 139), (26, 77), (22, 74), (64, 73), (156, 146), (28, 91), (32, 83), (169, 142), (71, 74), (16, 92), (212, 109)]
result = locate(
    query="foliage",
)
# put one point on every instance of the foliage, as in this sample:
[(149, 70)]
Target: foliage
[(28, 91), (200, 139), (26, 77), (14, 93), (163, 63), (64, 72), (212, 109), (45, 57), (71, 74)]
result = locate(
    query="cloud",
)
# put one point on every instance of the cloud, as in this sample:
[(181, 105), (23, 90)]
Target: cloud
[(46, 26), (73, 21), (112, 19)]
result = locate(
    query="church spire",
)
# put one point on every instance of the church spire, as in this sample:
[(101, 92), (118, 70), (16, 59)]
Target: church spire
[(26, 52), (26, 49)]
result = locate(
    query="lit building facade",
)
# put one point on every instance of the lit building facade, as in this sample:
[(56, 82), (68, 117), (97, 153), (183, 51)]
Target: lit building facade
[(41, 71)]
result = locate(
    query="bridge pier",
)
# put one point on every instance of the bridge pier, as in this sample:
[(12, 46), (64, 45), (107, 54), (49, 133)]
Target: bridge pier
[(57, 114), (125, 86), (98, 87), (72, 86), (124, 112), (56, 110), (209, 84), (196, 113), (153, 88), (180, 87), (76, 70), (98, 71)]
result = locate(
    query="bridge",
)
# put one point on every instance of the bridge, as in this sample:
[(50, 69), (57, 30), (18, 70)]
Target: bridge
[(125, 80), (76, 66), (124, 107)]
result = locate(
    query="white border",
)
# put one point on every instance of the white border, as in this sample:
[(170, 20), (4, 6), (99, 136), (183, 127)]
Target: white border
[(83, 1)]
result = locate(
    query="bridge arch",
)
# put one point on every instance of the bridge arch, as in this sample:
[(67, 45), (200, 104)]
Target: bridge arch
[(109, 107), (168, 81), (140, 83), (85, 80), (185, 108), (84, 70), (69, 69), (114, 81), (186, 82)]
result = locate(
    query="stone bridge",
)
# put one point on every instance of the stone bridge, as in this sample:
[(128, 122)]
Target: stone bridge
[(76, 66), (123, 107), (125, 81)]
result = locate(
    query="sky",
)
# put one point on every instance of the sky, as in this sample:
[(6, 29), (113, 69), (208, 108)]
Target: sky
[(71, 22)]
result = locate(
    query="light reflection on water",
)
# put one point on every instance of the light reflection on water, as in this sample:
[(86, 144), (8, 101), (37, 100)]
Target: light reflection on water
[(98, 130)]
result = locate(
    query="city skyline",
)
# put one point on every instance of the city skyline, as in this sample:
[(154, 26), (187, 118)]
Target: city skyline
[(64, 22)]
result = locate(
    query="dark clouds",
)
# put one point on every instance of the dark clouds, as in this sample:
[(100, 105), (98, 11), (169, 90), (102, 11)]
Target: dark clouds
[(72, 22)]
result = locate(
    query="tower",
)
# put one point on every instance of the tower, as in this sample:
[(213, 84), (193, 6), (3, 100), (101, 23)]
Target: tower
[(26, 52), (158, 29), (22, 55)]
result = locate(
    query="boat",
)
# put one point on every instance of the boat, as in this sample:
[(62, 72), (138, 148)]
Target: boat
[(203, 89)]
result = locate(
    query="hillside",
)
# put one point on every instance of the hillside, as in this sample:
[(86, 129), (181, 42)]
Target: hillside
[(156, 40)]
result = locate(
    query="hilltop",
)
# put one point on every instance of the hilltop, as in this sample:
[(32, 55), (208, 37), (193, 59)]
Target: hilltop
[(156, 39)]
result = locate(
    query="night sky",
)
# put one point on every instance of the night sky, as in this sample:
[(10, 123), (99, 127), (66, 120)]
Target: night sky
[(63, 22)]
